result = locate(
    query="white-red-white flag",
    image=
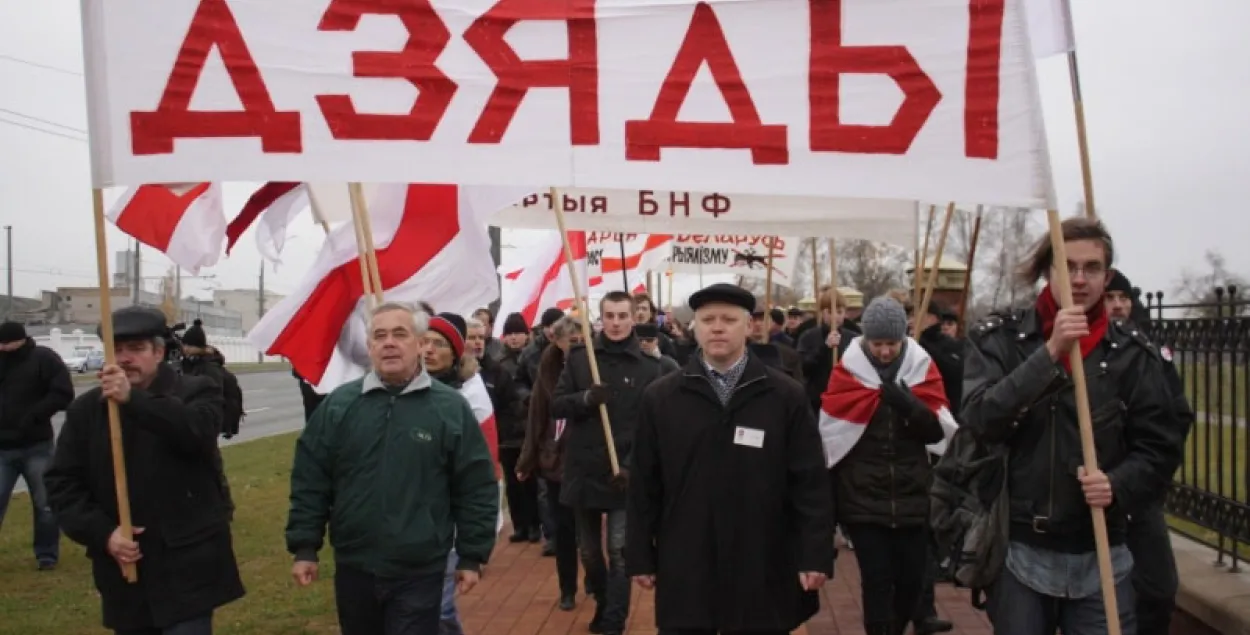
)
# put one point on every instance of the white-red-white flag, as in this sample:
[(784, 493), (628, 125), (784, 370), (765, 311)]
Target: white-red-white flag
[(474, 391), (275, 205), (854, 392), (648, 252), (543, 281), (1050, 27), (432, 245), (185, 222)]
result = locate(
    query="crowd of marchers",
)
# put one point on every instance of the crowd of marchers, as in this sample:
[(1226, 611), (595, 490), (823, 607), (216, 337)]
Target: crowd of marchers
[(712, 463)]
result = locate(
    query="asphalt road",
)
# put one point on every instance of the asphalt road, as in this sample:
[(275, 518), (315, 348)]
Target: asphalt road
[(272, 402)]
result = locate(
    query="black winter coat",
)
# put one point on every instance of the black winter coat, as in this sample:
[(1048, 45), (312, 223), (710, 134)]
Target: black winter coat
[(726, 526), (509, 399), (948, 355), (884, 480), (818, 359), (627, 371), (34, 385), (169, 439), (1015, 394)]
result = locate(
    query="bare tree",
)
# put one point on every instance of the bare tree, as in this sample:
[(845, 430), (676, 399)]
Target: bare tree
[(1198, 288)]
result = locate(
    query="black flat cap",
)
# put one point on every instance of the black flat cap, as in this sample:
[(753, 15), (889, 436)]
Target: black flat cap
[(137, 323), (723, 293)]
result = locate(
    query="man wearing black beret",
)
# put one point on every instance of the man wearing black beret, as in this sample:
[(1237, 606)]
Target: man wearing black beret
[(728, 474), (181, 543)]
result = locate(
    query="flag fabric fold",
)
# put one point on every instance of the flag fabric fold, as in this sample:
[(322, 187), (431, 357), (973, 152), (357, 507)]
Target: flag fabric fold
[(1050, 27), (543, 281), (185, 222), (649, 253), (474, 391), (854, 393), (275, 205), (431, 243)]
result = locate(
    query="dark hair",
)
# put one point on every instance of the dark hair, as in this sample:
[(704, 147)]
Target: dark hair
[(617, 296), (639, 298), (425, 306), (490, 317), (1074, 229)]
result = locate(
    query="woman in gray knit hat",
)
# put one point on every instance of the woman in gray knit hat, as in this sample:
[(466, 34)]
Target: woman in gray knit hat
[(879, 413)]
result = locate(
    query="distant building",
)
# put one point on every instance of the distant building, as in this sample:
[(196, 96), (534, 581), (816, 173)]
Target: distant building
[(81, 305), (245, 302)]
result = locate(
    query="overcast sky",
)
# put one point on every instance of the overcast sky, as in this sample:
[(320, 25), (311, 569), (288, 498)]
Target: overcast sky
[(1166, 88)]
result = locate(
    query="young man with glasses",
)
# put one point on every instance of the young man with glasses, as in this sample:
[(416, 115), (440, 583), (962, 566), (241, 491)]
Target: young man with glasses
[(1019, 393)]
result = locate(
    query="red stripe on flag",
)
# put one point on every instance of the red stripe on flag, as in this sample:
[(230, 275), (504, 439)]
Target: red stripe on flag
[(153, 213), (259, 201), (654, 241), (431, 220)]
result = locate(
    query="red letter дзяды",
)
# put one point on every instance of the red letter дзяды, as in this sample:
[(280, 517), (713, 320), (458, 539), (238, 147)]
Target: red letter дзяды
[(154, 132), (830, 59), (705, 42), (416, 62), (579, 73), (981, 84)]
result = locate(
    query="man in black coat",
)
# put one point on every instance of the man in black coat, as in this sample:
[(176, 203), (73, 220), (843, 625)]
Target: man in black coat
[(1155, 578), (589, 486), (730, 511), (181, 543), (34, 385), (1020, 393)]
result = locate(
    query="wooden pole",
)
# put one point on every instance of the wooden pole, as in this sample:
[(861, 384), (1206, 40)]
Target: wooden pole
[(768, 279), (1082, 137), (923, 306), (650, 291), (921, 256), (361, 209), (1063, 284), (833, 288), (669, 274), (815, 280), (588, 333), (972, 258), (129, 570)]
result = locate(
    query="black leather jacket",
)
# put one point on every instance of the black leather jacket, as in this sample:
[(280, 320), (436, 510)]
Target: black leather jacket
[(1015, 394)]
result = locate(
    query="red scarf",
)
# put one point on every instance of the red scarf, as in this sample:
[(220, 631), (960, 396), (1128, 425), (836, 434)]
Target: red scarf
[(1048, 308)]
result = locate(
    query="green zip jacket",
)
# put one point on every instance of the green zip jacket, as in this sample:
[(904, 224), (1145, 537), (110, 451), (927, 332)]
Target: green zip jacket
[(399, 474)]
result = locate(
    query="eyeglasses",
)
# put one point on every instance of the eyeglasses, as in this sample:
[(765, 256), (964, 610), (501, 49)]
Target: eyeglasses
[(437, 342), (1088, 271)]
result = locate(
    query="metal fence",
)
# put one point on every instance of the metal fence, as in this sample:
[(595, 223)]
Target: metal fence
[(1210, 345)]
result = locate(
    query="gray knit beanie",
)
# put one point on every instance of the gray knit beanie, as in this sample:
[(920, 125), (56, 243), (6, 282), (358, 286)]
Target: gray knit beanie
[(884, 319)]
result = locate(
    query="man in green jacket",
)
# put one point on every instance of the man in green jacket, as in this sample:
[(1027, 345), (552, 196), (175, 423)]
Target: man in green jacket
[(397, 466)]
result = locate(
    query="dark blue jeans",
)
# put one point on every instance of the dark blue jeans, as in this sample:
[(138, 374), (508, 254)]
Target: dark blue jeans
[(605, 576), (369, 605), (30, 463), (1015, 609)]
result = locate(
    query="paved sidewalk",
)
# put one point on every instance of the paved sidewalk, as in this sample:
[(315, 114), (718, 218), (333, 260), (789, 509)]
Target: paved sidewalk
[(518, 596)]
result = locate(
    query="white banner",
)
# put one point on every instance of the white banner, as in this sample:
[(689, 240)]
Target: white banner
[(650, 212), (740, 255), (906, 99)]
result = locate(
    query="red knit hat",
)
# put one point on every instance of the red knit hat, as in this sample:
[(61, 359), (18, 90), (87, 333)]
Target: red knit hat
[(453, 328)]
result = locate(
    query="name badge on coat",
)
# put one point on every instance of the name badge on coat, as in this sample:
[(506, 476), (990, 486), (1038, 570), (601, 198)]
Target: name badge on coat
[(749, 437)]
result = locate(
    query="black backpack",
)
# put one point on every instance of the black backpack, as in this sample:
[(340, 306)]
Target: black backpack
[(970, 511)]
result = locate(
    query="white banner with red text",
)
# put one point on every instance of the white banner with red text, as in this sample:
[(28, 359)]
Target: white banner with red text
[(740, 255), (684, 212), (905, 99)]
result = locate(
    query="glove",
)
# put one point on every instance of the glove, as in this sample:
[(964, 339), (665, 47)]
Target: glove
[(598, 395), (621, 480), (901, 399)]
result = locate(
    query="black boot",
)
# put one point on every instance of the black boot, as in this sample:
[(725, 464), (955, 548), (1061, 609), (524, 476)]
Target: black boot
[(535, 535), (930, 625), (596, 622), (568, 601), (518, 536)]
